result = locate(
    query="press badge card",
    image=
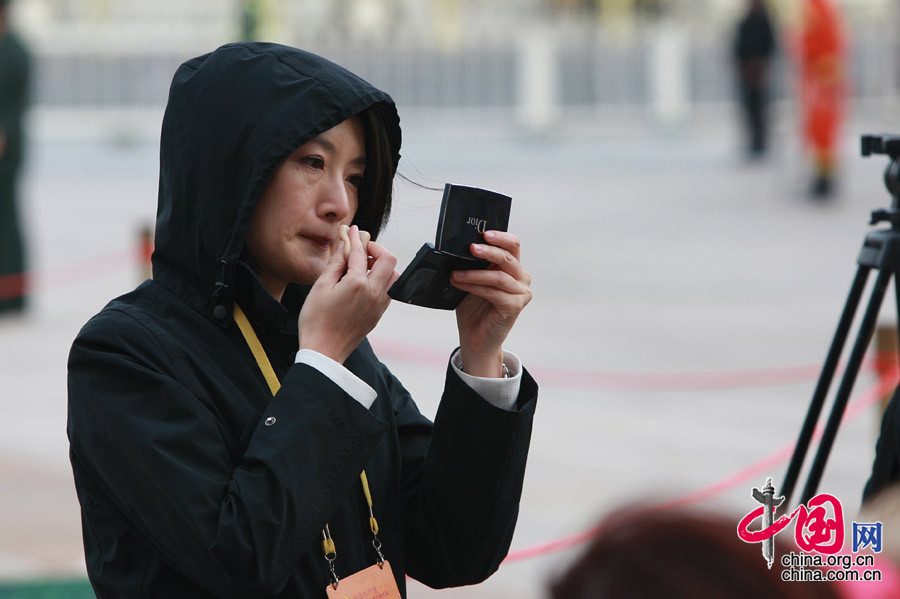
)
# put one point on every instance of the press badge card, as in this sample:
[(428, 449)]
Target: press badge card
[(375, 582)]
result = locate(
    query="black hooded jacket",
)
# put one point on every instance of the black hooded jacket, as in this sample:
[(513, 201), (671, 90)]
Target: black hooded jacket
[(194, 481)]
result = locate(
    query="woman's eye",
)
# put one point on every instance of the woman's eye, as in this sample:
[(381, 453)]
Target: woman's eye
[(313, 161), (355, 180)]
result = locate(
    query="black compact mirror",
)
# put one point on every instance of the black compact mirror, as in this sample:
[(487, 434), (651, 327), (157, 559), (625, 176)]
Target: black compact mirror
[(466, 213)]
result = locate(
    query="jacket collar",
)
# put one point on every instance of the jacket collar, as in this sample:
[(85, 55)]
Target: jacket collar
[(273, 320)]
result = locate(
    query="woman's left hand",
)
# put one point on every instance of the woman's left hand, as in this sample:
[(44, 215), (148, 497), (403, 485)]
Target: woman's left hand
[(496, 297)]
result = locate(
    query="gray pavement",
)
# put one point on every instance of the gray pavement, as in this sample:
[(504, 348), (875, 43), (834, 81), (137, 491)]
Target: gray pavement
[(652, 253)]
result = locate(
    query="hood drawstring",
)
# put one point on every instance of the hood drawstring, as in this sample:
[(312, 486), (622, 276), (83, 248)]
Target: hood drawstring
[(221, 297)]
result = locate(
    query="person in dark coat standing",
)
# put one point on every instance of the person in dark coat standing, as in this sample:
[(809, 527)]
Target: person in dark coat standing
[(754, 44), (886, 465), (221, 414), (14, 70)]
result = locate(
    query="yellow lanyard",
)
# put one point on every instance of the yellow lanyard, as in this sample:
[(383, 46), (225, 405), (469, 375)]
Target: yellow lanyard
[(262, 360)]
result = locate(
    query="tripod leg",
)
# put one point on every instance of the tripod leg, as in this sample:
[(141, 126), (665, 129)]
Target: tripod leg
[(863, 337), (818, 399)]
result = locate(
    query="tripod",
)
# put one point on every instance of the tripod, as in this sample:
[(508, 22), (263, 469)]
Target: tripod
[(881, 251)]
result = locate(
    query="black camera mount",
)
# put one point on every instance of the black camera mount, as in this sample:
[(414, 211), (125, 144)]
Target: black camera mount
[(890, 145), (881, 251)]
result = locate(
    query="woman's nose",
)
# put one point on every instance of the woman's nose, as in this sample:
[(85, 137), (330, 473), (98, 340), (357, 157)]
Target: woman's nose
[(335, 200)]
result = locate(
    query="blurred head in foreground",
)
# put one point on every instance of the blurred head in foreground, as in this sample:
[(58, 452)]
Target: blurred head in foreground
[(650, 552)]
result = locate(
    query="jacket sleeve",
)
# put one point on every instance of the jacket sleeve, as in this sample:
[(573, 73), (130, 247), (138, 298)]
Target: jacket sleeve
[(462, 482), (160, 456)]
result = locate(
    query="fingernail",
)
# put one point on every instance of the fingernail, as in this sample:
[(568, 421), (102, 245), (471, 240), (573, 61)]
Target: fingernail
[(489, 234), (477, 247), (459, 274)]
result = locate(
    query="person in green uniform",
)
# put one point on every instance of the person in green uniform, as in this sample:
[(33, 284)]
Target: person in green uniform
[(14, 70)]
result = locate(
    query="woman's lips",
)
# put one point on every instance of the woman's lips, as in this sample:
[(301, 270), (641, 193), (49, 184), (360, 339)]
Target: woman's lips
[(322, 243)]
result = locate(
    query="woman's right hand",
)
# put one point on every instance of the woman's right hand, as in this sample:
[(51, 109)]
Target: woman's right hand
[(343, 307)]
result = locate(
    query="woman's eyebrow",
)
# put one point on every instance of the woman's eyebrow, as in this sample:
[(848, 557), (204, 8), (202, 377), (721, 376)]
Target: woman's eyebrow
[(325, 143), (330, 147)]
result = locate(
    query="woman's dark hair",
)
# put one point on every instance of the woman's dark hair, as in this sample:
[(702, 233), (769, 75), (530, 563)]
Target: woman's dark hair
[(376, 189)]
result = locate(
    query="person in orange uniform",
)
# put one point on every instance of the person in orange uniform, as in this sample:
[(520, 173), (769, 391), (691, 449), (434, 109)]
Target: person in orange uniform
[(821, 53)]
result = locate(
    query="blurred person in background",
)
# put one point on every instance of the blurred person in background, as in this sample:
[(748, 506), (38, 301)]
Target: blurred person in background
[(221, 414), (885, 472), (14, 74), (249, 20), (754, 45), (649, 552), (820, 53), (883, 506)]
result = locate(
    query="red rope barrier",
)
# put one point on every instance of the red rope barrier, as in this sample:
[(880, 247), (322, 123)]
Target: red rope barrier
[(753, 471), (13, 285), (697, 381)]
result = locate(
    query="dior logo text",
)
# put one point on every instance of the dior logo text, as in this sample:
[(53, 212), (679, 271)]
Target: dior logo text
[(480, 224)]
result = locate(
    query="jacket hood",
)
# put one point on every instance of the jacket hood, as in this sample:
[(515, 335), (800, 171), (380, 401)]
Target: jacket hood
[(232, 117)]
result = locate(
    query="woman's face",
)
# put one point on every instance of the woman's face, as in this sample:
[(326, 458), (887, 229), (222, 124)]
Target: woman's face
[(314, 191)]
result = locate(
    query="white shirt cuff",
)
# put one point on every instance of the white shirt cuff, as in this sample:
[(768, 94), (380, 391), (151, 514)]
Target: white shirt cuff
[(354, 386), (500, 392)]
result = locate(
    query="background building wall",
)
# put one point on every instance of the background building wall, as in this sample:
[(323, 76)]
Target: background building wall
[(528, 62)]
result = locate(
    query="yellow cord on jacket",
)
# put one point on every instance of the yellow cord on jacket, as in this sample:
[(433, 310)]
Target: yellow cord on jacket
[(262, 360)]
